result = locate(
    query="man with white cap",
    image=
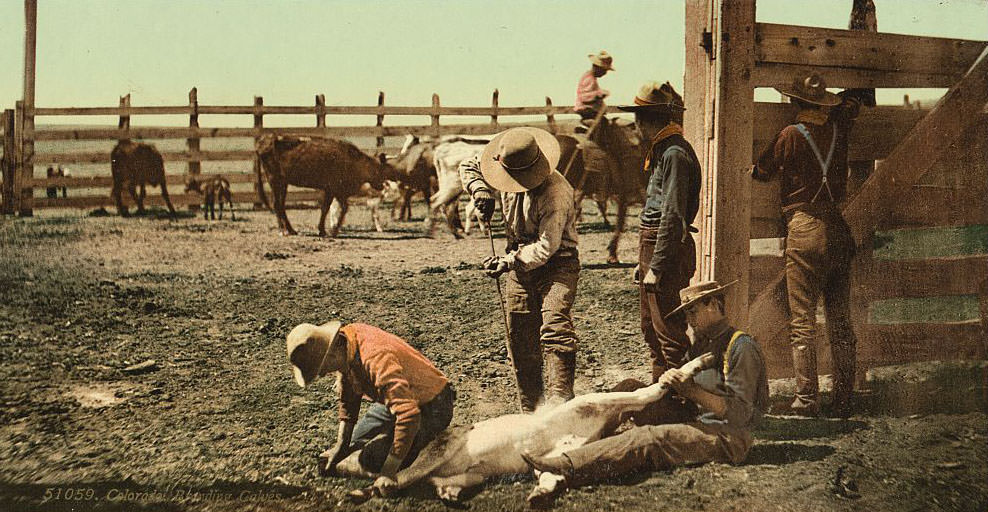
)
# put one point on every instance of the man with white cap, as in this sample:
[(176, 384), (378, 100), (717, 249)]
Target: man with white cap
[(542, 260), (810, 157), (414, 400), (666, 250), (726, 401)]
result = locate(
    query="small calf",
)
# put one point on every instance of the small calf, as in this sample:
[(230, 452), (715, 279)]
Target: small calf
[(212, 188)]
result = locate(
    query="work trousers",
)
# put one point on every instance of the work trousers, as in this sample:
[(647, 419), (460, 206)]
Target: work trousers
[(657, 447), (539, 304), (819, 250), (666, 337), (374, 432)]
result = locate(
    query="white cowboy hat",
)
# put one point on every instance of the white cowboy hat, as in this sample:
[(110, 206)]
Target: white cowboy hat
[(308, 346)]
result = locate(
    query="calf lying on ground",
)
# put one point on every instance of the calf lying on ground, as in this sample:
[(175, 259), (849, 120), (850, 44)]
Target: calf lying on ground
[(211, 188), (465, 456)]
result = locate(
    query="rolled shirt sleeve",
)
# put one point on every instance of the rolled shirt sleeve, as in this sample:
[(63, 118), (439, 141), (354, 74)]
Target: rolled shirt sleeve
[(349, 407), (471, 176), (675, 177), (554, 213)]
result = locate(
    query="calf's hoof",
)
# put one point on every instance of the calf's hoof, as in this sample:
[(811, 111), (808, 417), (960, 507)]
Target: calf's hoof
[(449, 494), (362, 495), (542, 498)]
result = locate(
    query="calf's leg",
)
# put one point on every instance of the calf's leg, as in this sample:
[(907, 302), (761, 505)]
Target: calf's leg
[(327, 201)]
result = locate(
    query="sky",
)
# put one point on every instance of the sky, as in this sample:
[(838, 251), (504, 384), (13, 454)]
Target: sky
[(90, 52)]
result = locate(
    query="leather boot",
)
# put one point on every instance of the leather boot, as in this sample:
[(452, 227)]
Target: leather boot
[(807, 401), (843, 371), (562, 371), (528, 375)]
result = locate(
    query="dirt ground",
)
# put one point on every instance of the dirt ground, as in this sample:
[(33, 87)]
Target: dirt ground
[(216, 423)]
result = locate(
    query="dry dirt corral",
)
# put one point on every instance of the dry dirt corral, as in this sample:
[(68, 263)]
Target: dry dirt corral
[(216, 423)]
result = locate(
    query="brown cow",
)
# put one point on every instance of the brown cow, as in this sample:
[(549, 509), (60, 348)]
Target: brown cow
[(416, 161), (133, 164), (212, 188), (336, 167), (603, 175)]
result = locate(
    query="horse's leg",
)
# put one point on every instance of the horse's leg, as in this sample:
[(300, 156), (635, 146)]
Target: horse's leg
[(164, 196), (612, 247), (116, 193), (229, 197), (344, 206), (140, 199), (601, 201), (327, 199), (280, 196), (578, 204), (132, 188)]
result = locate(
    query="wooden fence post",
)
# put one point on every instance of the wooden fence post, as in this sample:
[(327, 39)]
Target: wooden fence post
[(435, 116), (320, 111), (124, 123), (195, 164), (19, 172), (26, 119), (380, 120), (550, 118), (261, 200), (8, 166), (494, 112)]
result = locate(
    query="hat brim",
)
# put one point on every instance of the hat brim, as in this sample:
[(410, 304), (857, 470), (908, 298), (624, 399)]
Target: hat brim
[(700, 297), (829, 99), (329, 330), (526, 179), (655, 107)]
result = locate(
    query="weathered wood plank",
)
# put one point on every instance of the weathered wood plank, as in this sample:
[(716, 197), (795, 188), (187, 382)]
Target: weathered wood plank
[(774, 74), (312, 110), (882, 279), (939, 206), (107, 181), (874, 51)]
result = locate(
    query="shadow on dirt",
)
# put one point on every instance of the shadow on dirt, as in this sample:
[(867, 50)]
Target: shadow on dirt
[(129, 495), (778, 428), (787, 453), (605, 266)]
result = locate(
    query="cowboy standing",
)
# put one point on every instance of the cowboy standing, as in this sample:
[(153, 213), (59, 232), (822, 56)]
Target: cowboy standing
[(726, 402), (542, 261), (589, 95), (810, 156), (414, 400), (666, 251)]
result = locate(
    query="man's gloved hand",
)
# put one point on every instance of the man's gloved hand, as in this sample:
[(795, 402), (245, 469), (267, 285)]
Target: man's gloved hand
[(495, 266), (484, 201)]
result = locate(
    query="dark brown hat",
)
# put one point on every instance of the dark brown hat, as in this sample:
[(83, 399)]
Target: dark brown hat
[(693, 294)]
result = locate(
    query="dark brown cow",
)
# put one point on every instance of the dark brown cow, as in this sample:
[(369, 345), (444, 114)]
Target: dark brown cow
[(213, 189), (336, 167), (604, 175), (136, 164), (416, 162)]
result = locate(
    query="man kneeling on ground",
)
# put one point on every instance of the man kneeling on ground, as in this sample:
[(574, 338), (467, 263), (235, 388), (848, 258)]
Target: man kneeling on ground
[(731, 396), (414, 400)]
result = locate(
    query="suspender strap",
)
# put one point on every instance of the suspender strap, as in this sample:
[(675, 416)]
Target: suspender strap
[(824, 164), (730, 347)]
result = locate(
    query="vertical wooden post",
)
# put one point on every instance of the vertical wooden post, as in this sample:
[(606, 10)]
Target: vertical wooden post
[(123, 124), (550, 118), (863, 17), (435, 116), (698, 97), (258, 130), (380, 119), (494, 127), (8, 165), (195, 165), (725, 241), (19, 172), (320, 111), (26, 160)]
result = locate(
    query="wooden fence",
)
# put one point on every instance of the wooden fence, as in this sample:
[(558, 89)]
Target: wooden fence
[(728, 55), (26, 179)]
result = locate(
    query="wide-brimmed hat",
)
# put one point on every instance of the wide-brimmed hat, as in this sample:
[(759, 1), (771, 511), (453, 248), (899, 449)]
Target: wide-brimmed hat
[(811, 89), (308, 347), (602, 59), (657, 97), (692, 294), (519, 159)]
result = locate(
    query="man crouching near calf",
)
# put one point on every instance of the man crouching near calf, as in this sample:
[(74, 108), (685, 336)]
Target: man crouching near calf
[(414, 400), (731, 396)]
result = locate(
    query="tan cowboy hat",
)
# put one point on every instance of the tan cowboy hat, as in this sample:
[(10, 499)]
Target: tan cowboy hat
[(656, 96), (519, 159), (811, 89), (692, 294), (602, 60), (308, 347)]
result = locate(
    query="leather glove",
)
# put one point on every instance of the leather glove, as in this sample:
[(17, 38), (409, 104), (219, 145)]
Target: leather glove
[(495, 266), (484, 201)]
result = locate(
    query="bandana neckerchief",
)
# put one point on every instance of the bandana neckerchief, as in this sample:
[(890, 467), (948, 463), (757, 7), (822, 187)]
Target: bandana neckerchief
[(816, 116), (669, 130)]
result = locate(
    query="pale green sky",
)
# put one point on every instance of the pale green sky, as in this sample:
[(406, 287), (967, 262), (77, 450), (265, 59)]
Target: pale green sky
[(91, 52)]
